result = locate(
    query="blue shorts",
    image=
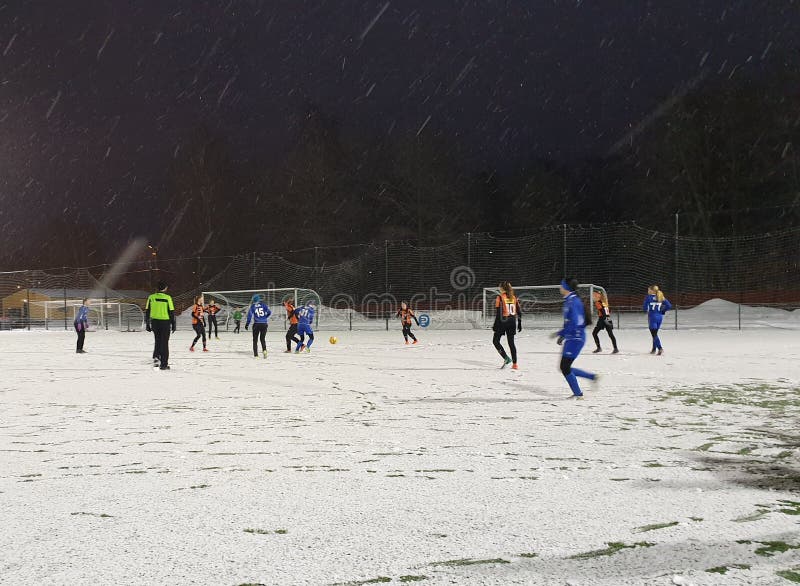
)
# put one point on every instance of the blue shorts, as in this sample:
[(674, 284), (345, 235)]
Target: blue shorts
[(572, 348), (304, 329)]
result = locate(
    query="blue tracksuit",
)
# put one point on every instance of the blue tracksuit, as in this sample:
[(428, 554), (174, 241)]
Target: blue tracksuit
[(82, 318), (259, 313), (655, 315), (305, 319), (574, 334)]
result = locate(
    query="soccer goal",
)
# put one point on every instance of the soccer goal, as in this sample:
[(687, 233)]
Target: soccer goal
[(230, 301), (103, 314), (540, 304)]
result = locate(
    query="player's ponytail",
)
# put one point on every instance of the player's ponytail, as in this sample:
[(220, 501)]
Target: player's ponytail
[(604, 298), (658, 293), (506, 288)]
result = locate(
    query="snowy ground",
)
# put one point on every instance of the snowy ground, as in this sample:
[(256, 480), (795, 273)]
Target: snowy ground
[(369, 462)]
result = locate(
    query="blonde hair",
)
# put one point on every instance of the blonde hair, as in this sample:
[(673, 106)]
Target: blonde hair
[(603, 297), (506, 288), (658, 293)]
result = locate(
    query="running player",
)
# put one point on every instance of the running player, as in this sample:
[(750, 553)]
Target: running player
[(81, 325), (212, 309), (159, 316), (198, 323), (237, 319), (574, 336), (291, 315), (604, 321), (656, 305), (259, 313), (507, 322), (305, 318), (406, 314)]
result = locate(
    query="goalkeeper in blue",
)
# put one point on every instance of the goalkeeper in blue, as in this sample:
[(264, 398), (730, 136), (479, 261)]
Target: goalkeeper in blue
[(305, 319), (573, 336), (259, 314), (656, 305)]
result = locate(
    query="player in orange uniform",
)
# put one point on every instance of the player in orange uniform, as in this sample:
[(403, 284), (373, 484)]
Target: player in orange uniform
[(198, 322), (212, 309), (292, 331), (406, 315), (604, 322), (507, 322)]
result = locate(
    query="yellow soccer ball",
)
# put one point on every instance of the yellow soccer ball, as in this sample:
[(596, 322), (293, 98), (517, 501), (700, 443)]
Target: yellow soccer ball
[(333, 339)]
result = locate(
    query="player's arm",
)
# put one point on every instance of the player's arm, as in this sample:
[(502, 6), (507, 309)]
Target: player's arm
[(665, 306), (249, 317), (147, 315), (171, 311), (519, 316), (645, 304)]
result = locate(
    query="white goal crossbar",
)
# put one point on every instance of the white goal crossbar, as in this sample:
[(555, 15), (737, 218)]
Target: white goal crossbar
[(542, 301)]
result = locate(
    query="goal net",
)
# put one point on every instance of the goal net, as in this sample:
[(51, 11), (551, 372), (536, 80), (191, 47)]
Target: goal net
[(103, 314), (540, 304), (230, 301)]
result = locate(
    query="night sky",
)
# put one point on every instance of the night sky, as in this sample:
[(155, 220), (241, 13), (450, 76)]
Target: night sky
[(97, 98)]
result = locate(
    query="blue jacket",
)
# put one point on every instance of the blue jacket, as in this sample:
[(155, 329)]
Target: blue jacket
[(305, 315), (259, 313), (82, 317), (574, 318), (655, 310)]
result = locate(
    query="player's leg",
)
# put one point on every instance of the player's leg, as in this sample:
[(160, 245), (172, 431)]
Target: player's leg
[(654, 334), (496, 341), (255, 340), (411, 334), (406, 331), (610, 330), (262, 336), (163, 346), (601, 324), (310, 334), (511, 332)]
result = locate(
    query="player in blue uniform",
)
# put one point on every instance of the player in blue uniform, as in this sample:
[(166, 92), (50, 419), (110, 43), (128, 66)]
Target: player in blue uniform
[(573, 335), (656, 305), (305, 319), (81, 324), (259, 314)]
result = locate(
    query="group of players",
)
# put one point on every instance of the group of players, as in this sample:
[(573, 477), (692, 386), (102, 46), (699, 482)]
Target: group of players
[(572, 336), (160, 319), (301, 321)]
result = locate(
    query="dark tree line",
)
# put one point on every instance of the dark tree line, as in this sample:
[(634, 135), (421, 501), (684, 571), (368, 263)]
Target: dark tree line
[(723, 147)]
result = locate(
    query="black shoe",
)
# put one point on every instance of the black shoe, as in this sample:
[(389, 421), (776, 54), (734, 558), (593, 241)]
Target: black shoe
[(615, 351), (595, 351), (653, 351), (163, 367)]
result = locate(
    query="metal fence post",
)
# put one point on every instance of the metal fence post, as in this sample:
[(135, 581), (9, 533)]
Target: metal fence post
[(64, 282), (677, 295), (564, 250)]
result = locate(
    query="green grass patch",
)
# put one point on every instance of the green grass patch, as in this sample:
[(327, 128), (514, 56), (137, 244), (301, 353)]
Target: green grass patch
[(769, 548), (791, 575), (266, 531), (724, 569), (698, 519), (789, 508), (470, 562), (654, 527), (410, 578), (101, 515), (614, 547), (528, 555), (378, 580)]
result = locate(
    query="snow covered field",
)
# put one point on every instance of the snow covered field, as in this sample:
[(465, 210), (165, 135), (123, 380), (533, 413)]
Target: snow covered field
[(369, 462)]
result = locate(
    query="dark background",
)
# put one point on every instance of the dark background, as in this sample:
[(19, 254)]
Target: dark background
[(214, 128)]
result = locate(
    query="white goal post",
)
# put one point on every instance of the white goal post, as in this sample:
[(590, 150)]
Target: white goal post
[(103, 314), (540, 304), (229, 301)]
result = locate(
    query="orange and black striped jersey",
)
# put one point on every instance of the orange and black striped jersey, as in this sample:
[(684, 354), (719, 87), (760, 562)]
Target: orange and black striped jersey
[(406, 316), (212, 309), (602, 309), (290, 312), (509, 306), (197, 314)]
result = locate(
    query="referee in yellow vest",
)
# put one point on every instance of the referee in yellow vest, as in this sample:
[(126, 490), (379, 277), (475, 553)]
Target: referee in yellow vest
[(159, 315)]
